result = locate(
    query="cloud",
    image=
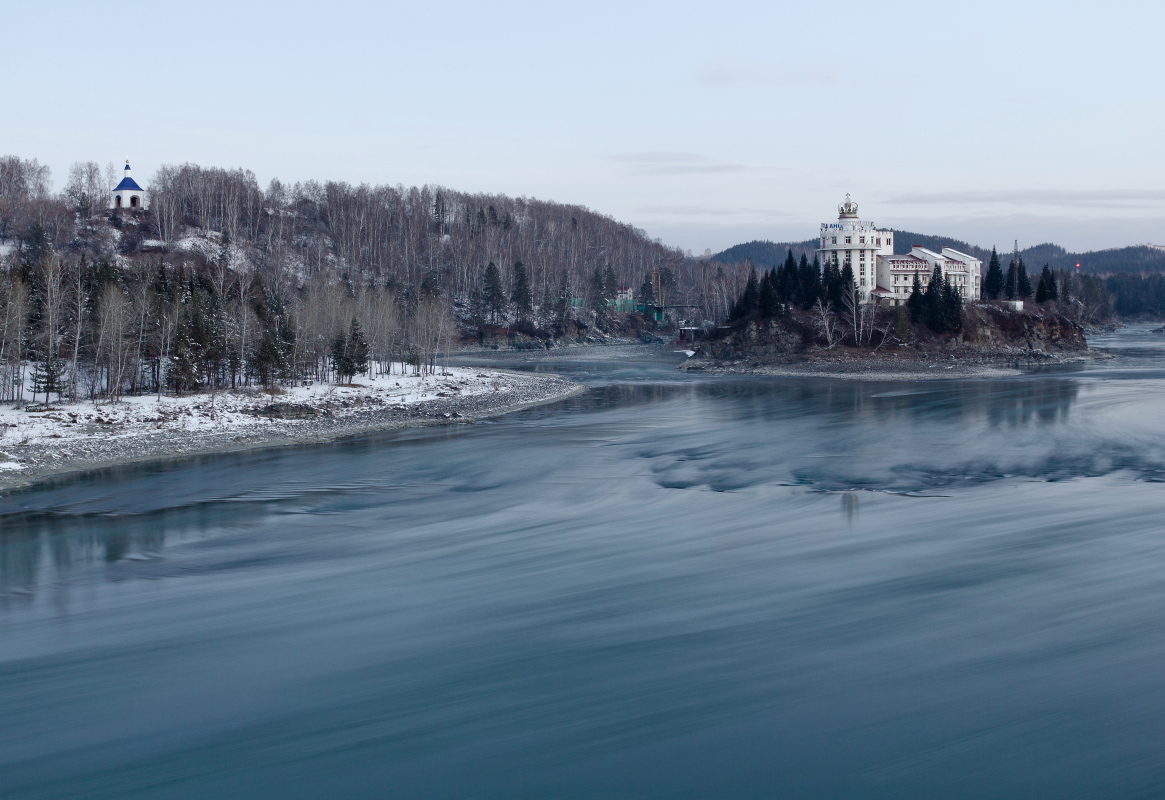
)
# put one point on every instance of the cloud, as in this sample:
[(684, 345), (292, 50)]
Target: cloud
[(711, 211), (751, 75), (1065, 198), (673, 163)]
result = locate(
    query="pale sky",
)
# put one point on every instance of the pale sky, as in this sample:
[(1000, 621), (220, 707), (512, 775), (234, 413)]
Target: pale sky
[(706, 124)]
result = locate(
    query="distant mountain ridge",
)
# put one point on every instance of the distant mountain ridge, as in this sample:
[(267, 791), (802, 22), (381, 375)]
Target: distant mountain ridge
[(1134, 259)]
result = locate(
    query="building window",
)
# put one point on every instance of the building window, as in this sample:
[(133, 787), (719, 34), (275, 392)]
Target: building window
[(133, 201), (863, 255), (834, 240), (849, 240), (861, 240), (879, 242)]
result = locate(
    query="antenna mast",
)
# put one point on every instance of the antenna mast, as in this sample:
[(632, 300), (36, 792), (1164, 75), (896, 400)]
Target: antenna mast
[(1015, 275)]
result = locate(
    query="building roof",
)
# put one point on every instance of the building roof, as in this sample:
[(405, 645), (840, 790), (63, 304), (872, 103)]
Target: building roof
[(127, 183), (958, 256), (880, 290), (903, 259)]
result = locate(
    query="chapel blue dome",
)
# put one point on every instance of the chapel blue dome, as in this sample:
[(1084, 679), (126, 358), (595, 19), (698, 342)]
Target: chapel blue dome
[(128, 183)]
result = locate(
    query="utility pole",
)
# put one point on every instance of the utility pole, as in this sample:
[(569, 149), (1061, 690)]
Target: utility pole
[(1015, 275)]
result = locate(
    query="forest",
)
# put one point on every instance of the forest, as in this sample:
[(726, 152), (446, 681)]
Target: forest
[(220, 283)]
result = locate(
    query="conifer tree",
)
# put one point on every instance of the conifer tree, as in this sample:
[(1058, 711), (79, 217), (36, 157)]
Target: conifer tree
[(810, 283), (916, 303), (1011, 282), (495, 297), (1046, 286), (952, 311), (934, 311), (521, 297), (610, 283), (47, 376), (647, 293), (747, 303), (1024, 284), (767, 303), (357, 349), (993, 282)]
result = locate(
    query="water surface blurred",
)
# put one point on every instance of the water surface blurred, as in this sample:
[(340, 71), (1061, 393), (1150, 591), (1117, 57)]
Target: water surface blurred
[(670, 586)]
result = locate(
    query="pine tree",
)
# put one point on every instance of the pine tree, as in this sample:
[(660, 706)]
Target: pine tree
[(1025, 285), (647, 294), (767, 303), (916, 303), (47, 376), (934, 311), (993, 282), (1046, 286), (521, 297), (357, 349), (341, 359), (563, 303), (952, 308), (747, 303), (1011, 282), (495, 297), (610, 283), (810, 282)]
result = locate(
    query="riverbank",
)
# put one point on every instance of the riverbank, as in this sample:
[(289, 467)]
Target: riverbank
[(37, 442), (890, 366)]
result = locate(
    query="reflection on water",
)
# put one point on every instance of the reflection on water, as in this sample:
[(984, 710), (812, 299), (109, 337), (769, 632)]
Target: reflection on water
[(670, 586)]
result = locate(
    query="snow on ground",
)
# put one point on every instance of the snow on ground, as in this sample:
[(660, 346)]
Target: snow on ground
[(62, 423)]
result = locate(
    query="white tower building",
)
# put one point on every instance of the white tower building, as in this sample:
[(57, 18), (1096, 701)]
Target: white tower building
[(857, 243), (882, 276), (128, 194)]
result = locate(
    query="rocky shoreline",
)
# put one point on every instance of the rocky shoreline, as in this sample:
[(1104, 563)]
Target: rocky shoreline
[(275, 428), (864, 365)]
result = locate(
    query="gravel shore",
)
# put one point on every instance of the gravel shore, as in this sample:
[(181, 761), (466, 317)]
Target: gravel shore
[(41, 459), (894, 367)]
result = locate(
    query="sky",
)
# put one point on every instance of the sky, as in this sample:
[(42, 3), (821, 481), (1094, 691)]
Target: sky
[(706, 124)]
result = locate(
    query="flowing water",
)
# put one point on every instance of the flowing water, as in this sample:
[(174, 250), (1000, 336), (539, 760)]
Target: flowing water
[(669, 586)]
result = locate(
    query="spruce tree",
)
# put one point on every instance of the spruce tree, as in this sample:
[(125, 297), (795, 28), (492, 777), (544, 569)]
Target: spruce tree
[(767, 297), (610, 283), (47, 376), (952, 308), (357, 349), (521, 297), (810, 283), (495, 296), (747, 303), (916, 303), (993, 282), (1011, 282), (647, 294), (934, 311), (1046, 286), (1025, 285), (341, 360)]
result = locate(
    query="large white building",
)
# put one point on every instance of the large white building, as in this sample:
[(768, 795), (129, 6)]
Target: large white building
[(882, 276)]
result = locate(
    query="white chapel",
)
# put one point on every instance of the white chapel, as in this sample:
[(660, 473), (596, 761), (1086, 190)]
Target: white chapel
[(128, 194), (880, 275)]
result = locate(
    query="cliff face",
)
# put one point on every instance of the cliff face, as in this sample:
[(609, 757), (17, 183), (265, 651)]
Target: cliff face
[(1048, 331), (988, 330)]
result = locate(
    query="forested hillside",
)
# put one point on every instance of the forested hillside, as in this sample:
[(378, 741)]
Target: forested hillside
[(221, 282)]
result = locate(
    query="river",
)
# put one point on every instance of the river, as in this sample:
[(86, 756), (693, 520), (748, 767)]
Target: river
[(672, 585)]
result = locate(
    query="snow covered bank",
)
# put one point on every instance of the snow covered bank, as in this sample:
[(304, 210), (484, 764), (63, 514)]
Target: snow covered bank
[(38, 441)]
